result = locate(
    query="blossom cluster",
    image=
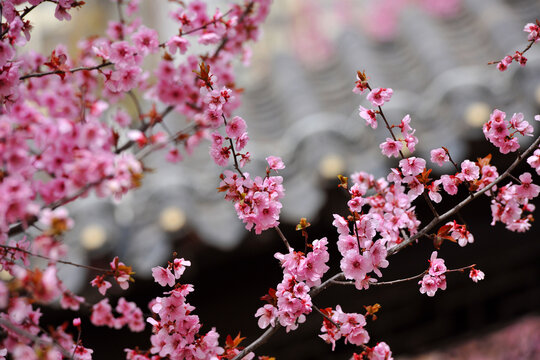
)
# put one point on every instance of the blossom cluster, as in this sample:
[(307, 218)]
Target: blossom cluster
[(24, 318), (66, 130), (175, 329), (256, 201), (130, 315), (289, 304), (534, 35), (501, 132), (511, 204), (347, 325), (435, 278)]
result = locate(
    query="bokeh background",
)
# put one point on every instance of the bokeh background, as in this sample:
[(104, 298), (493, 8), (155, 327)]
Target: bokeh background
[(299, 105)]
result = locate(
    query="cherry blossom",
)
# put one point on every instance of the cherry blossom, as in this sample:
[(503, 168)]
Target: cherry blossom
[(379, 96), (476, 275), (65, 134)]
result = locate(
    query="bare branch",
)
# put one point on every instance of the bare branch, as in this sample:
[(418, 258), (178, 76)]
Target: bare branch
[(283, 238), (260, 340)]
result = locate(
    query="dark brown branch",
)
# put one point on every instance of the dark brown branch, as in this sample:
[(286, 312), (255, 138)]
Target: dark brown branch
[(25, 12), (260, 340), (57, 72), (283, 238), (20, 227), (326, 316)]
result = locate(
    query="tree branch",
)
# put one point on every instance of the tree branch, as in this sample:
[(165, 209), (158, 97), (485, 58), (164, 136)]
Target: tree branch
[(397, 248), (4, 322), (283, 238), (260, 340), (53, 72), (14, 248)]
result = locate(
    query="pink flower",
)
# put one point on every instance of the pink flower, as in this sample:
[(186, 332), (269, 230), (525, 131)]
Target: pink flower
[(476, 275), (236, 127), (527, 189), (179, 266), (355, 204), (412, 166), (173, 155), (101, 284), (439, 156), (533, 30), (268, 315), (355, 266), (163, 276), (123, 54), (122, 118), (436, 265), (146, 40), (275, 163), (469, 171), (369, 115), (177, 43), (450, 184), (242, 141), (379, 96), (534, 161), (430, 284), (71, 301), (391, 147), (102, 314), (381, 352)]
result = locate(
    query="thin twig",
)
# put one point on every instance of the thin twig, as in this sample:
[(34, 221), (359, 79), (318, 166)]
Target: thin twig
[(283, 238), (260, 340), (25, 12), (204, 26), (317, 289), (53, 72), (326, 316), (14, 248), (430, 204), (461, 269), (531, 42), (21, 226), (236, 166)]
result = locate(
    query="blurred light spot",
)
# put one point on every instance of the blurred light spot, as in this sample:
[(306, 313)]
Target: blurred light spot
[(476, 114), (331, 166), (93, 237), (404, 149), (5, 276), (172, 219), (537, 95)]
